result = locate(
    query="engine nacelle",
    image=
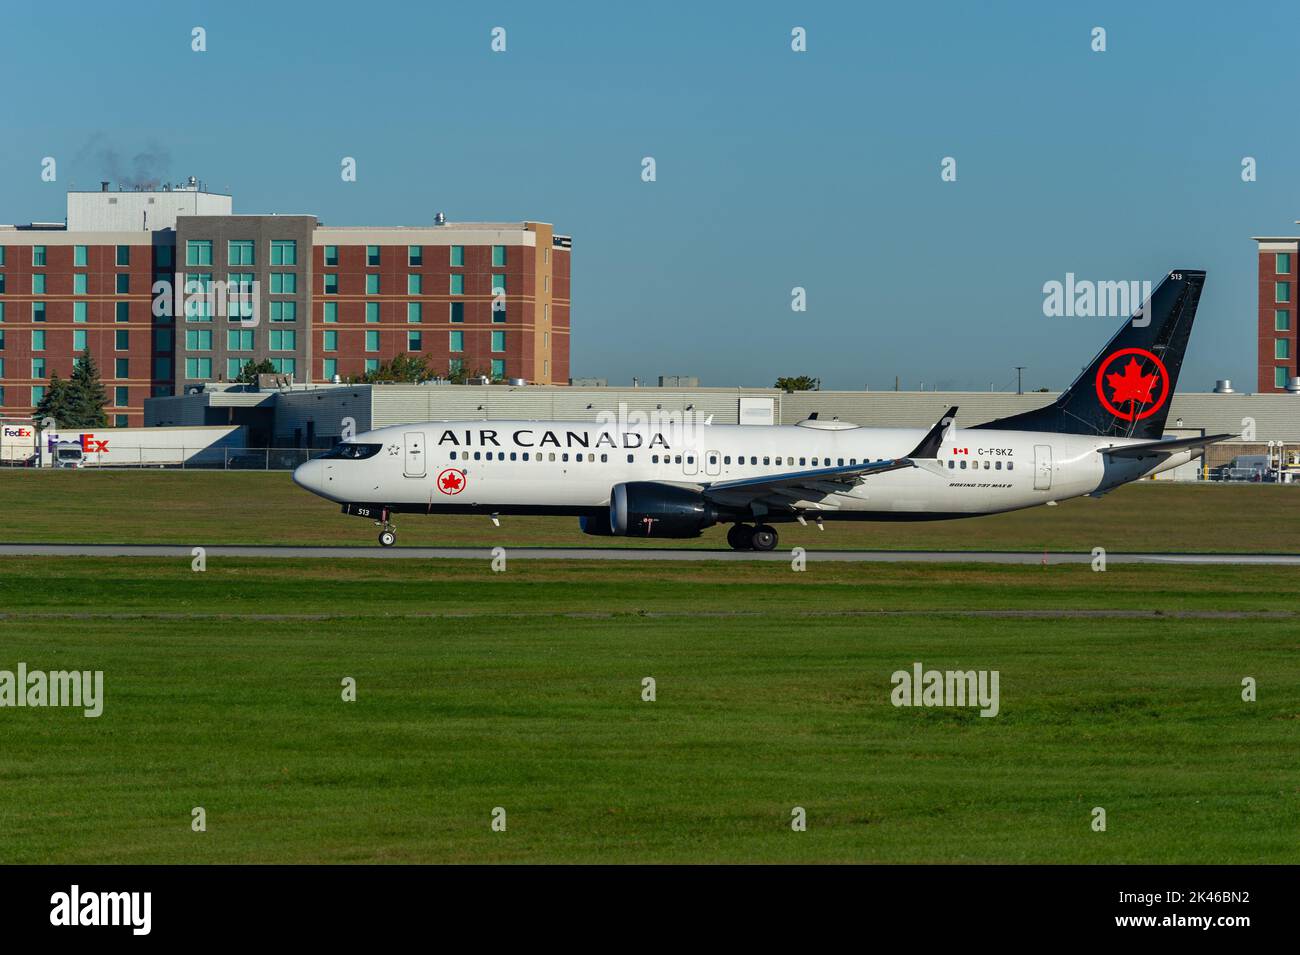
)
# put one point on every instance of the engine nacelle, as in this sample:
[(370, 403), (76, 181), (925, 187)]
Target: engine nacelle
[(650, 509)]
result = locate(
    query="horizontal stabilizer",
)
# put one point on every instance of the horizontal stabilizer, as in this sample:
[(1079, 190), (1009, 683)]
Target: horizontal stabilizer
[(1150, 449)]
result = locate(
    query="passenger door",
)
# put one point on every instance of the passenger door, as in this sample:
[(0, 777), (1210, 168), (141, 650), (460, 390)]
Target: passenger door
[(690, 462), (414, 466), (712, 462), (1042, 467)]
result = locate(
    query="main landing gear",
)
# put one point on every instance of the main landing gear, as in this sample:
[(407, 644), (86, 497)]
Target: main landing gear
[(745, 537)]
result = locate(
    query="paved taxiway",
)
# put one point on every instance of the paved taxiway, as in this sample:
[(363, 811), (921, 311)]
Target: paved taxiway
[(631, 553)]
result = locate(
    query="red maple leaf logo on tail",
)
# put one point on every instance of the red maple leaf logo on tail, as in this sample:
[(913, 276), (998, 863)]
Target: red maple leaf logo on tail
[(1132, 385)]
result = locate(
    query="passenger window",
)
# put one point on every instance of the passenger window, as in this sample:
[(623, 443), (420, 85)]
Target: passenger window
[(963, 465), (1010, 464), (513, 456), (552, 455), (952, 465), (852, 461), (726, 459), (525, 455), (477, 455), (604, 458), (690, 459), (841, 460), (986, 465), (564, 456), (998, 466), (753, 459), (766, 461), (453, 455), (803, 462), (677, 459)]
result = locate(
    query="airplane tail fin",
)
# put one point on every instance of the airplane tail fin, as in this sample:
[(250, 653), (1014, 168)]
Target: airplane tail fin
[(1125, 391)]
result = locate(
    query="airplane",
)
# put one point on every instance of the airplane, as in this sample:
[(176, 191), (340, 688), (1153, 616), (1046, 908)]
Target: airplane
[(667, 481)]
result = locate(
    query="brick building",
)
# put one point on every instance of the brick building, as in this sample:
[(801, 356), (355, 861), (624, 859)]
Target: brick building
[(317, 301), (1276, 357)]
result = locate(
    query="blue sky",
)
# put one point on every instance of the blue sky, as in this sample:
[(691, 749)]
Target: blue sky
[(775, 169)]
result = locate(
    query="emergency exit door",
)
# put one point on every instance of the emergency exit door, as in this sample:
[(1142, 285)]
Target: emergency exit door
[(414, 454), (1042, 467)]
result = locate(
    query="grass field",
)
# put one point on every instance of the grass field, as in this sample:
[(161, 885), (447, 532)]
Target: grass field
[(522, 690), (215, 507)]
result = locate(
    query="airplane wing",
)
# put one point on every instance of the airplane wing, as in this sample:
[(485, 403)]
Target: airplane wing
[(1153, 449), (818, 483)]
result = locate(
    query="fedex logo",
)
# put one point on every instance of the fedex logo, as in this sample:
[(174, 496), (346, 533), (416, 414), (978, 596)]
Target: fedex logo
[(89, 443), (11, 432)]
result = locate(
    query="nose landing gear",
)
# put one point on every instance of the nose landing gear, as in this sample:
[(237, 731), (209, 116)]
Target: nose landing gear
[(388, 536), (745, 537)]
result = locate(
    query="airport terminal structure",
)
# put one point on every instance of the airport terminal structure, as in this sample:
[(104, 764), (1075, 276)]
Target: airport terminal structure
[(170, 291)]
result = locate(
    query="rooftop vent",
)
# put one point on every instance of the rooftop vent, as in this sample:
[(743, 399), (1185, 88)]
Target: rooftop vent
[(1223, 386)]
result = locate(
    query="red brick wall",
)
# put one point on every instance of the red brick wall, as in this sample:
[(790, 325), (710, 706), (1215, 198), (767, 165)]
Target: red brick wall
[(100, 325), (1267, 333)]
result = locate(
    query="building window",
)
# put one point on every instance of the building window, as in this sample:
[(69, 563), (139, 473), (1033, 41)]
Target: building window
[(456, 315), (1282, 348), (121, 396), (414, 313), (372, 255), (415, 255), (198, 339), (1282, 292), (284, 283), (498, 312), (498, 285), (122, 340), (498, 255), (329, 368), (372, 283), (330, 312), (284, 311), (38, 255), (1279, 377), (121, 420), (498, 368), (162, 256), (38, 339), (456, 341), (123, 283), (234, 367), (198, 368), (124, 254), (2, 255), (239, 339), (457, 365), (372, 341), (331, 283), (79, 284), (284, 252), (239, 295), (239, 252), (458, 255), (80, 256), (197, 252), (498, 341), (38, 283), (1282, 263), (283, 339), (79, 312), (79, 340), (38, 311), (330, 341), (457, 284), (372, 364), (414, 341), (331, 255), (38, 394), (372, 313), (1281, 319), (414, 284), (38, 367), (121, 311), (162, 340), (121, 368), (2, 279)]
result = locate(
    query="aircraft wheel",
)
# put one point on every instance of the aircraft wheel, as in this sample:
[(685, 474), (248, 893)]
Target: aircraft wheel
[(764, 538), (387, 538), (741, 537)]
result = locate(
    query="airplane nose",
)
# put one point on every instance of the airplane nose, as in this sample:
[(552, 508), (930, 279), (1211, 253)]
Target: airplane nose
[(309, 475)]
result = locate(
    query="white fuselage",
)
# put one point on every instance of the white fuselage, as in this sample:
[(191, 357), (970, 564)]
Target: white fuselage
[(570, 467)]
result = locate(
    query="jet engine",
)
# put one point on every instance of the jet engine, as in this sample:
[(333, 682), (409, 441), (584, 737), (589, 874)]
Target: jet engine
[(650, 509)]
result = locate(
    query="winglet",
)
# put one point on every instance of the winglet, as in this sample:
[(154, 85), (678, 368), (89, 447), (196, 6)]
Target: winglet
[(929, 446)]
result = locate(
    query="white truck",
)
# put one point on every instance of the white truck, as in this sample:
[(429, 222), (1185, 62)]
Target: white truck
[(139, 447)]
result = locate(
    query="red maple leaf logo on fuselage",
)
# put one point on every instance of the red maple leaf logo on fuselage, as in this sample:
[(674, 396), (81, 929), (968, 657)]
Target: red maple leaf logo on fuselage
[(1132, 385), (451, 481)]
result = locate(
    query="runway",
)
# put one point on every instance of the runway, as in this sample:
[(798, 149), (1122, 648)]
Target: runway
[(632, 554)]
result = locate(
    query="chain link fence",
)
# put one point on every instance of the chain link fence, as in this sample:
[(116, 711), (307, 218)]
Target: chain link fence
[(206, 459)]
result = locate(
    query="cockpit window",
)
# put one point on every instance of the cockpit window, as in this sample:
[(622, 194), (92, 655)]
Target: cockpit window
[(352, 451)]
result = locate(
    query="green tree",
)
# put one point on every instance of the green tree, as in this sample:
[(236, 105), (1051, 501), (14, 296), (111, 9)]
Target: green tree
[(248, 374), (86, 396), (55, 403), (798, 383), (401, 367)]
